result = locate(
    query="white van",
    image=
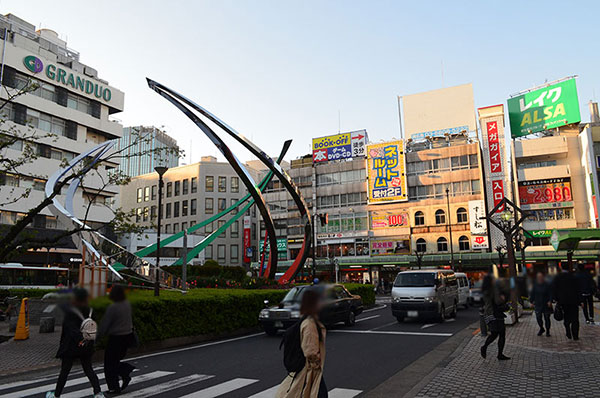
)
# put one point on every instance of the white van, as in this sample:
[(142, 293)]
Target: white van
[(425, 293), (464, 289)]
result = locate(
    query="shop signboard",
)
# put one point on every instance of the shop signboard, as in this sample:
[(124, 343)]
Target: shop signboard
[(247, 241), (494, 147), (539, 233), (339, 146), (386, 172), (281, 247), (390, 247), (546, 108), (389, 219), (480, 242), (547, 193), (498, 193), (477, 217)]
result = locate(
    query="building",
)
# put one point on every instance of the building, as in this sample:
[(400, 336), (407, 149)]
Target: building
[(72, 102), (145, 140), (192, 194)]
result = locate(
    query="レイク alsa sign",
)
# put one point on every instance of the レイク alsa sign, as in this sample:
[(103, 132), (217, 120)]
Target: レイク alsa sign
[(53, 72), (546, 108)]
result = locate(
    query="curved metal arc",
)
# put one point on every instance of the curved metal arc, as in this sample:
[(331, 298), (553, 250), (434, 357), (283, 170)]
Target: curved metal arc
[(265, 159), (233, 161)]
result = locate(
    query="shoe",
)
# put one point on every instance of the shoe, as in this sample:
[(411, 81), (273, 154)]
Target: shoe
[(587, 321), (541, 332), (569, 335), (113, 393), (503, 357), (126, 381), (547, 333), (575, 338), (50, 394), (484, 352), (99, 395)]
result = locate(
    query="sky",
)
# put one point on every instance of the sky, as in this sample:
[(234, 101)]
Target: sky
[(282, 69)]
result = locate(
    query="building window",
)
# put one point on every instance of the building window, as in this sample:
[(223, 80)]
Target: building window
[(169, 189), (184, 208), (234, 253), (461, 215), (208, 254), (208, 205), (463, 243), (421, 245), (442, 244), (152, 212), (140, 195), (176, 209), (194, 184), (177, 188), (209, 184), (138, 214), (440, 217), (419, 218), (183, 226), (222, 204), (222, 184), (153, 194), (235, 184), (221, 224), (221, 252), (193, 207), (208, 228), (146, 194), (232, 202), (146, 213), (175, 227), (235, 229), (186, 186), (167, 230), (168, 210)]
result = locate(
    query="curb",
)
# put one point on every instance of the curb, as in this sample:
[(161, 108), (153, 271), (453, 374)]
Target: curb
[(409, 381)]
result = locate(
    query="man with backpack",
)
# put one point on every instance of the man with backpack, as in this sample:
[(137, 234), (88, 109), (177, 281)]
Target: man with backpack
[(77, 342)]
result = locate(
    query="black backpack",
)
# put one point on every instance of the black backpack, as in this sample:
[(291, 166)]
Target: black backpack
[(293, 357)]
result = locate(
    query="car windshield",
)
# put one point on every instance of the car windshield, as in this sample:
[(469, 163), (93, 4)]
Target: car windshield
[(477, 285), (294, 295), (415, 279)]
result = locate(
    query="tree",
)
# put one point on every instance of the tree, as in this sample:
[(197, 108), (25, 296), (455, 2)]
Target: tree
[(18, 235)]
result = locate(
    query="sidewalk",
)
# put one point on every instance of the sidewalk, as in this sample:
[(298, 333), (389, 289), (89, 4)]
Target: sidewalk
[(540, 366), (37, 352)]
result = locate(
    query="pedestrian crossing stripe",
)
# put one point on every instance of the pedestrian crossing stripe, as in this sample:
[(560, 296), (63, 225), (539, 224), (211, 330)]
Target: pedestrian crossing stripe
[(81, 388)]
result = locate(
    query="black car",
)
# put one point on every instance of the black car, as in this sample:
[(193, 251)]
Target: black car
[(339, 306)]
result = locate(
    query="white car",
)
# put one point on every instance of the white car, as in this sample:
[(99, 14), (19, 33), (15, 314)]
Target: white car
[(464, 289)]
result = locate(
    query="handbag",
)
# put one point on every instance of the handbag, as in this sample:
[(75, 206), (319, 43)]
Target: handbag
[(559, 315)]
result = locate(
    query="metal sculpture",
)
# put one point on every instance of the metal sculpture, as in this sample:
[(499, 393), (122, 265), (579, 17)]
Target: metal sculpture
[(179, 100)]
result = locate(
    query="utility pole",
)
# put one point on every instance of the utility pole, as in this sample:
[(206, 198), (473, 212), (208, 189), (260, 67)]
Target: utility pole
[(185, 260), (450, 229), (161, 170)]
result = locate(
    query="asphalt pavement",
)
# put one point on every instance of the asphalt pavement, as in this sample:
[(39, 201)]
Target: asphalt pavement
[(358, 359)]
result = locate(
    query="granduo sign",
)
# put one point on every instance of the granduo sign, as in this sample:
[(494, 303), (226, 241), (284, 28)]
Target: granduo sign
[(53, 72)]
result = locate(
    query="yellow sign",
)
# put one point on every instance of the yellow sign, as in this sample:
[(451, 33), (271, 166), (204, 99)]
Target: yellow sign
[(386, 171), (22, 332)]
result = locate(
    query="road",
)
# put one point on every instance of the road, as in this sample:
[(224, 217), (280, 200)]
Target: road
[(358, 359)]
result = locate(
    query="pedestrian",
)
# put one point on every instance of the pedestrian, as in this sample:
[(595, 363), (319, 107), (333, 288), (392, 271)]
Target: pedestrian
[(118, 326), (541, 298), (309, 382), (493, 310), (565, 291), (74, 345), (587, 289)]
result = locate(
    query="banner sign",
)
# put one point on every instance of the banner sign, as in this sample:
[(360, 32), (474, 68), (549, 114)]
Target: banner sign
[(494, 147), (440, 133), (389, 219), (386, 171), (339, 146), (390, 247), (281, 248), (548, 193), (480, 242), (498, 193), (477, 222), (247, 240), (543, 109)]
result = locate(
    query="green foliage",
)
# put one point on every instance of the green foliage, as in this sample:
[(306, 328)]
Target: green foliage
[(212, 271), (233, 273), (199, 312), (367, 292), (22, 293)]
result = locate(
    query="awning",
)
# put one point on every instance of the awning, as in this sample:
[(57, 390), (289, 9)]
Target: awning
[(588, 239)]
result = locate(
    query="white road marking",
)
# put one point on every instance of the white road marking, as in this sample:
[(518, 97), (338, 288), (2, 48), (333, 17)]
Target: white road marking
[(427, 325), (85, 392), (367, 318), (376, 308), (343, 393), (24, 383), (221, 389), (386, 325), (167, 386), (450, 320), (268, 393), (48, 387), (196, 346), (391, 333)]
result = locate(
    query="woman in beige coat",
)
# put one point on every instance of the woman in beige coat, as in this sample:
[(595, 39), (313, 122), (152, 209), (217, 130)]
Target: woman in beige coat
[(309, 382)]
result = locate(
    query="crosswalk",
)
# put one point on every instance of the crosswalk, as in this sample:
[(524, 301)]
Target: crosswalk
[(157, 383)]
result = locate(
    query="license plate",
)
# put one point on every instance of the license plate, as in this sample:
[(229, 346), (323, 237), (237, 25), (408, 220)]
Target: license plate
[(278, 324), (412, 314)]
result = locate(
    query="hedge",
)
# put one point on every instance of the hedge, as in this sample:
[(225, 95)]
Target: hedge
[(21, 293), (367, 292)]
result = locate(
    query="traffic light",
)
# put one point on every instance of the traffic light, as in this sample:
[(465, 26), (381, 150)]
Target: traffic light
[(324, 218)]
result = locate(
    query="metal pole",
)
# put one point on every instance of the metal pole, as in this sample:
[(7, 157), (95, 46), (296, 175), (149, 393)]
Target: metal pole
[(185, 260), (512, 271), (160, 191), (314, 247), (450, 229)]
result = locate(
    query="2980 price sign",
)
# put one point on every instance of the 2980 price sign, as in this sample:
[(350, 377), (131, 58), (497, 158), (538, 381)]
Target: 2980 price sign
[(552, 190)]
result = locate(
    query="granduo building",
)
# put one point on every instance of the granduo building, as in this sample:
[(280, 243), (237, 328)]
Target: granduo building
[(72, 103)]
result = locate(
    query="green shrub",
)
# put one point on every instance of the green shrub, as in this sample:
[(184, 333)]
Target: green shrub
[(367, 292), (21, 293), (233, 273)]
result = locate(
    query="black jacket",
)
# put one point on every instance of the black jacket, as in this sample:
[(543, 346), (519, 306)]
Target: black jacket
[(565, 289), (540, 296), (586, 283), (71, 336)]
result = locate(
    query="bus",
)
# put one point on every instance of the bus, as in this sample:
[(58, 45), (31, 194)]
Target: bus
[(18, 276)]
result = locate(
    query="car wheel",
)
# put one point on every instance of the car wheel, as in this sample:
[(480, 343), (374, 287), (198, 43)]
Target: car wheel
[(271, 331), (453, 313), (351, 320), (442, 313)]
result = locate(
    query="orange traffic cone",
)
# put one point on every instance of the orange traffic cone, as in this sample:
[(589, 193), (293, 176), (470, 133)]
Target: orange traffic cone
[(22, 332)]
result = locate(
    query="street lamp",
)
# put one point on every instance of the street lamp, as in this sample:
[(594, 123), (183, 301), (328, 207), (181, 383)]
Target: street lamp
[(161, 170), (419, 255), (450, 229)]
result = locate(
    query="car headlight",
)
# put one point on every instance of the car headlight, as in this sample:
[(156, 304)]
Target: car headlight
[(396, 299), (430, 299), (264, 313), (295, 314)]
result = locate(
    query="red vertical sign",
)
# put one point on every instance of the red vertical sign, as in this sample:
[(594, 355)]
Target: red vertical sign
[(498, 193), (494, 148), (247, 241)]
